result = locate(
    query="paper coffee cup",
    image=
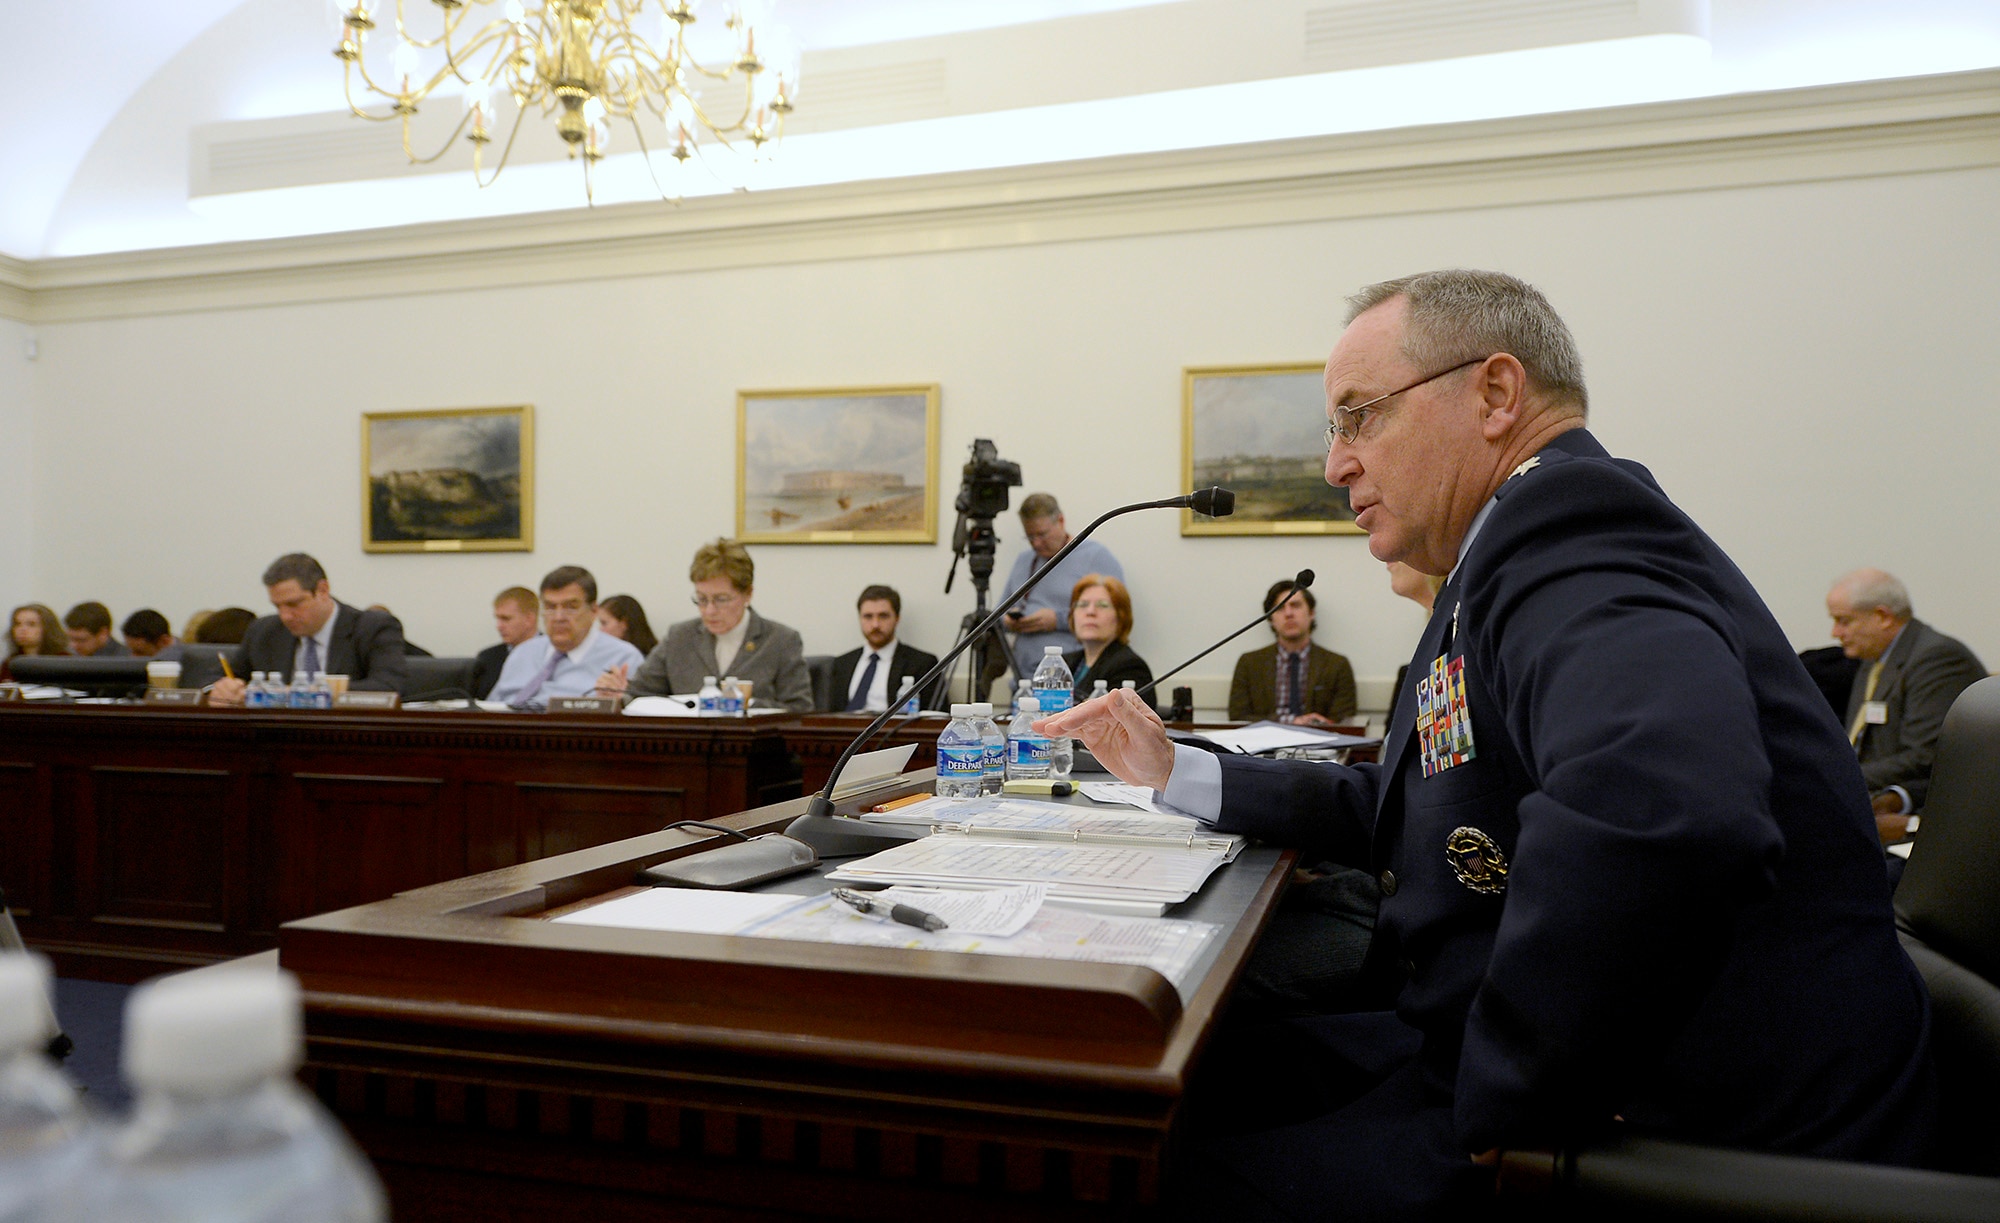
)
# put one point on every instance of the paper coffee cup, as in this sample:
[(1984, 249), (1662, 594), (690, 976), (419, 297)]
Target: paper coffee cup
[(163, 674), (339, 685), (743, 686)]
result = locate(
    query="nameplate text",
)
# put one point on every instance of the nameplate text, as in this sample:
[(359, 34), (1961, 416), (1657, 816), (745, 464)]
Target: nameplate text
[(366, 700), (583, 704), (173, 696)]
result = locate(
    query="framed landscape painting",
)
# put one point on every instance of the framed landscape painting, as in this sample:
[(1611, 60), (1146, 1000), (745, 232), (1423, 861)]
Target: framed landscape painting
[(448, 480), (1260, 431), (845, 466)]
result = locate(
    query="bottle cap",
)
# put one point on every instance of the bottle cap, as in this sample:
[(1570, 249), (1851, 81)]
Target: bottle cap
[(1132, 684), (707, 680), (1030, 705), (1051, 649), (961, 711), (213, 1032), (982, 709), (24, 1002)]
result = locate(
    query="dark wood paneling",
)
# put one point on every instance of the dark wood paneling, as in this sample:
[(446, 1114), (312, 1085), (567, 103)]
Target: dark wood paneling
[(555, 819), (161, 847), (23, 798), (354, 839)]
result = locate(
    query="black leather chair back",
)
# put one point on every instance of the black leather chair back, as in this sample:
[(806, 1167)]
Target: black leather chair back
[(1950, 893), (201, 664), (820, 667), (438, 678)]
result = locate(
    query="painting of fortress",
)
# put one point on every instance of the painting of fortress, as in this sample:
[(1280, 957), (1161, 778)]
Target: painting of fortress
[(457, 480), (837, 466)]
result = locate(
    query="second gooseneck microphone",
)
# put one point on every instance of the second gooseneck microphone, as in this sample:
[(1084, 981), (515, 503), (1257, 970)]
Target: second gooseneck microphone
[(1301, 582)]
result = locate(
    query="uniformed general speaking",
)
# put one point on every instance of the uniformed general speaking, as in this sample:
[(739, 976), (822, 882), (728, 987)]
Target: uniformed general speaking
[(1629, 871)]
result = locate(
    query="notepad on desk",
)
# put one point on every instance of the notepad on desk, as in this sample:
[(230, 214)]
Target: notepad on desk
[(1131, 873), (1260, 737)]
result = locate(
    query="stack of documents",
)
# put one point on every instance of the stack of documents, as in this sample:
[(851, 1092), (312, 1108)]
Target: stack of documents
[(1260, 737), (1009, 921), (1126, 873)]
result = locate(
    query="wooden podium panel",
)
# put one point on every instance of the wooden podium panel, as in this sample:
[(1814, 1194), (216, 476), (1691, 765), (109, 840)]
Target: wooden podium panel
[(497, 1066), (137, 839)]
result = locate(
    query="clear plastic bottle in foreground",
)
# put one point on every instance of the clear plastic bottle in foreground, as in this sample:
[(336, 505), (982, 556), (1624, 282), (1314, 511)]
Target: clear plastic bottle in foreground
[(996, 748), (47, 1140), (1027, 751), (961, 756), (1054, 691), (710, 700), (732, 697), (221, 1132)]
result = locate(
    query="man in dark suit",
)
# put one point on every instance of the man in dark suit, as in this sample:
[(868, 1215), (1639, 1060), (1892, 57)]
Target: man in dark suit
[(1909, 675), (1293, 679), (517, 616), (313, 632), (868, 687), (1626, 860)]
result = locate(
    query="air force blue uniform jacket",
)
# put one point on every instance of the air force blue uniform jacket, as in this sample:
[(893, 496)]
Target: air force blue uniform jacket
[(1653, 890)]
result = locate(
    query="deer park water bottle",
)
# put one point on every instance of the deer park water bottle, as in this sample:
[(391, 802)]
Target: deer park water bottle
[(1027, 751), (1054, 691), (996, 748), (711, 698), (221, 1131), (961, 756), (732, 697), (1098, 689), (47, 1140), (907, 694)]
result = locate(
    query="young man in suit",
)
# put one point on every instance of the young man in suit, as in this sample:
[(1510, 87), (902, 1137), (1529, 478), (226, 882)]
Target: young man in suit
[(1292, 679), (727, 638), (868, 686), (517, 617), (1629, 875), (1909, 675), (312, 631)]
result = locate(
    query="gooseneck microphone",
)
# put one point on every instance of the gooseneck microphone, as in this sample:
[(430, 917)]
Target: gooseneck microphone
[(836, 836), (1301, 582)]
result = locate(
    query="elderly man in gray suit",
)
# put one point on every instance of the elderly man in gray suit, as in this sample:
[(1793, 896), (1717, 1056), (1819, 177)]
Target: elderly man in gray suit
[(728, 638), (1910, 674)]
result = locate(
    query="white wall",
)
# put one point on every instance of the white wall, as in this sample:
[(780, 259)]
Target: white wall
[(1808, 369), (17, 466)]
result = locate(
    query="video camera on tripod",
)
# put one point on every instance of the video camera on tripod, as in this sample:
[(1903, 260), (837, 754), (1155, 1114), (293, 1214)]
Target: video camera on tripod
[(982, 496)]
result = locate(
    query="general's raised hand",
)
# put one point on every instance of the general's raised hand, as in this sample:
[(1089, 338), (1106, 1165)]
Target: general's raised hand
[(1123, 732)]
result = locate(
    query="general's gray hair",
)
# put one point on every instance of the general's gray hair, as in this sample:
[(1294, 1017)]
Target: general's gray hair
[(1868, 589), (1459, 315)]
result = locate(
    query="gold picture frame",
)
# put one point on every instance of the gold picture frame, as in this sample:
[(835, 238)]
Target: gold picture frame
[(837, 466), (449, 480), (1259, 430)]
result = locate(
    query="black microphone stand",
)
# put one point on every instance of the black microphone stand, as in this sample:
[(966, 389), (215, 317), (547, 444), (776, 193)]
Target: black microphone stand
[(1303, 580), (836, 836)]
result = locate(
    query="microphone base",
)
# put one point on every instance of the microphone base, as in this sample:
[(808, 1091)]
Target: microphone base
[(840, 836)]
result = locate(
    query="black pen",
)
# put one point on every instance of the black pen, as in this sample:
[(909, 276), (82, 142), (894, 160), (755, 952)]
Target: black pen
[(906, 914)]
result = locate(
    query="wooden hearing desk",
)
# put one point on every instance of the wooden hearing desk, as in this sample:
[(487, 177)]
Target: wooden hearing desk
[(502, 1068), (138, 839)]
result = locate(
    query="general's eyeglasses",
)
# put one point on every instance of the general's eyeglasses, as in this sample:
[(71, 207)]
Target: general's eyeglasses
[(1345, 423)]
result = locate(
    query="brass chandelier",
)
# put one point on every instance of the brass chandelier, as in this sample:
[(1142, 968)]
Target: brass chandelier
[(588, 62)]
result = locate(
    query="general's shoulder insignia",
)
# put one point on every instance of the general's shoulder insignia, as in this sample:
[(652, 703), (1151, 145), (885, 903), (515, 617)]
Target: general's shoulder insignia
[(1532, 463), (1477, 861)]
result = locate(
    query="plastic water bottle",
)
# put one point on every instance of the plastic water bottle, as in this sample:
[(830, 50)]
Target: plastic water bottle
[(1023, 689), (47, 1139), (732, 697), (711, 698), (322, 691), (907, 695), (1100, 688), (299, 695), (1054, 689), (254, 695), (961, 756), (996, 748), (221, 1132), (1027, 752)]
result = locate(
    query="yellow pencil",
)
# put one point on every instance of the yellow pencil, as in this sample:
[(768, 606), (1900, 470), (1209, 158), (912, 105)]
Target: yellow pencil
[(226, 670)]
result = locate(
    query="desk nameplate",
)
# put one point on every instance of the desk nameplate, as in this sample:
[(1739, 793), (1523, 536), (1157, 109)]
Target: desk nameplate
[(366, 700), (173, 696), (584, 704)]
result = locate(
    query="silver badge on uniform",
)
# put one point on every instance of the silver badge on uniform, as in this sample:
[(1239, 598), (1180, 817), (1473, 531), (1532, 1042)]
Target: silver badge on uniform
[(1477, 861)]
